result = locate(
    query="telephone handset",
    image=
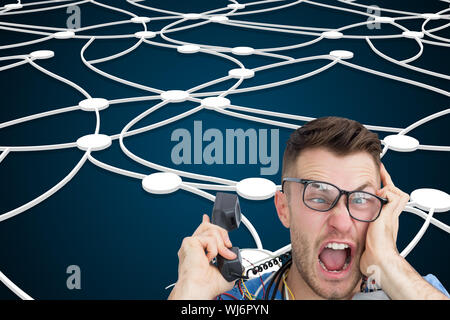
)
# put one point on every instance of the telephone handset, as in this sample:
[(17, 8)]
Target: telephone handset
[(227, 214)]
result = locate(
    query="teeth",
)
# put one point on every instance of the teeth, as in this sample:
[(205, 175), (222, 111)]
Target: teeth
[(323, 266), (336, 246)]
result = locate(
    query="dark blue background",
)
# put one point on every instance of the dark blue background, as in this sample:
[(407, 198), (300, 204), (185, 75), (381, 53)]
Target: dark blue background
[(124, 239)]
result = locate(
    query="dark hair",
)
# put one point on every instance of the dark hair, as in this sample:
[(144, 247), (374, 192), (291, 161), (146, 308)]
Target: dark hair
[(339, 135)]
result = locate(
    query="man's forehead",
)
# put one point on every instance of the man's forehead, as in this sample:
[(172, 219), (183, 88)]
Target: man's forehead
[(351, 171)]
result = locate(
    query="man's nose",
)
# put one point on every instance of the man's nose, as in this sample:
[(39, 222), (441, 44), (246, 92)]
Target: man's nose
[(340, 218)]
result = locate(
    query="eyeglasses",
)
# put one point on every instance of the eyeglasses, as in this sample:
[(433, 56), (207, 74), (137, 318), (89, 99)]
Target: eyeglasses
[(323, 196)]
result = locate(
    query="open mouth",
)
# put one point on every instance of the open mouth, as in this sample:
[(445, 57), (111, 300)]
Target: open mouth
[(335, 257)]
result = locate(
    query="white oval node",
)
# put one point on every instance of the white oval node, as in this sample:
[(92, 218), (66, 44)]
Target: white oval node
[(401, 143), (243, 51), (145, 34), (188, 48), (93, 104), (95, 142), (192, 16), (427, 199), (431, 16), (64, 35), (161, 182), (42, 54), (341, 54), (237, 6), (175, 95), (413, 34), (215, 102), (241, 73), (13, 6), (218, 18), (332, 35), (256, 188), (140, 19), (383, 19)]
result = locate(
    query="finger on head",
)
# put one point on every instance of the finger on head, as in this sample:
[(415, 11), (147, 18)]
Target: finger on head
[(396, 202), (385, 177), (382, 192)]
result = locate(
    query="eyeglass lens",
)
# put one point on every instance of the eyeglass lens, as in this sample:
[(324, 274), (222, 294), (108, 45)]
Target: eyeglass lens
[(322, 196)]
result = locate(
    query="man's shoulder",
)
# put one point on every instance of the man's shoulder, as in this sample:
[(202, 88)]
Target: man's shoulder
[(255, 288)]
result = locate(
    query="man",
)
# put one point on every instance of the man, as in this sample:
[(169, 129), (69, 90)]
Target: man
[(342, 224)]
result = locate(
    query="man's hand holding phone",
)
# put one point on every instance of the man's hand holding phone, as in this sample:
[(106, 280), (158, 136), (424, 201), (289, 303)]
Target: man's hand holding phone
[(198, 278)]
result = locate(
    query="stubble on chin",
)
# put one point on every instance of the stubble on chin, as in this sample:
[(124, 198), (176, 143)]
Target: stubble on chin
[(304, 260)]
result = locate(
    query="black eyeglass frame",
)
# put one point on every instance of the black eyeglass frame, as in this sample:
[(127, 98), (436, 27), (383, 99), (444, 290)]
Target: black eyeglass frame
[(305, 182)]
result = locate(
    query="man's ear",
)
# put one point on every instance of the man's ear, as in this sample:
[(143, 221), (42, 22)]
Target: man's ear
[(281, 204)]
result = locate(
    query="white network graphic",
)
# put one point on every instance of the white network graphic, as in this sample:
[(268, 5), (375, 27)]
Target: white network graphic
[(423, 202)]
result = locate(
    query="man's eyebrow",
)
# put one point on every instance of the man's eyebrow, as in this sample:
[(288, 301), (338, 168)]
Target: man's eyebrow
[(360, 188), (365, 185)]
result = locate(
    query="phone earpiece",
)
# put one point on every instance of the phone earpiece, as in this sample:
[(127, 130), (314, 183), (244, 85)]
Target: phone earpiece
[(226, 212)]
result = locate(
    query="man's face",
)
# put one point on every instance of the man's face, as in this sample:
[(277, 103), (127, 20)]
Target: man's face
[(331, 273)]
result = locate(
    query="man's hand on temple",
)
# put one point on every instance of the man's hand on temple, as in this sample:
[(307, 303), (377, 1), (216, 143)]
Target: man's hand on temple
[(398, 278)]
